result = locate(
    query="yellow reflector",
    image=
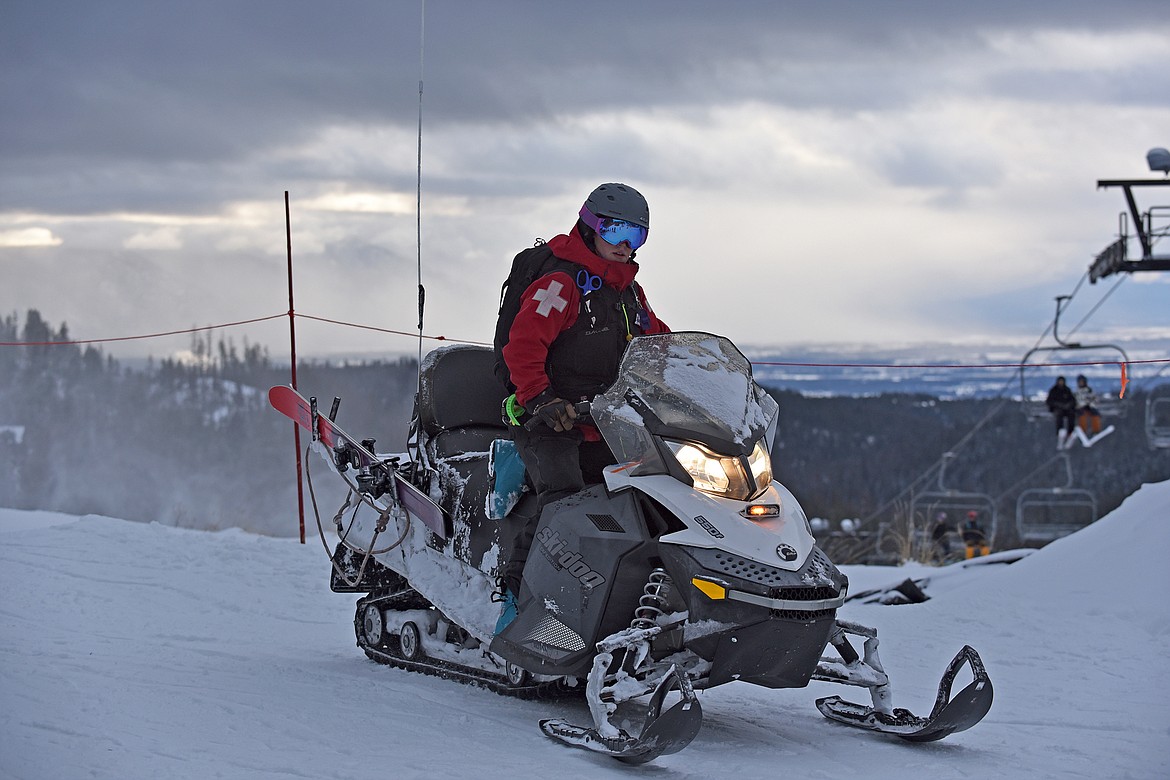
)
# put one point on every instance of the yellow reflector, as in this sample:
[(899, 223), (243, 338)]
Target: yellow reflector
[(711, 590)]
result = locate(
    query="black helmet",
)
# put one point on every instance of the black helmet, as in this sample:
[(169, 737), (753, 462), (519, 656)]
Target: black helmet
[(620, 201)]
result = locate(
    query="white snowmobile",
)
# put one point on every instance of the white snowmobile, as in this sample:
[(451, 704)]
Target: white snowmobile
[(690, 567)]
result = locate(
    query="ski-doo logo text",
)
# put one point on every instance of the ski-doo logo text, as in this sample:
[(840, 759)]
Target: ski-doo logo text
[(708, 527), (787, 552), (554, 549)]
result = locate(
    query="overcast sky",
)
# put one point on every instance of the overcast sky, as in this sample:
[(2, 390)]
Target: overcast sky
[(824, 172)]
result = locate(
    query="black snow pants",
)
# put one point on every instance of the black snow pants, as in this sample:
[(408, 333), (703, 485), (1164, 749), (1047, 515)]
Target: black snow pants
[(558, 465)]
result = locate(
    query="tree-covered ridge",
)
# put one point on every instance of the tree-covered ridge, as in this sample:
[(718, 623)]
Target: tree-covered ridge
[(868, 458), (193, 442), (185, 442)]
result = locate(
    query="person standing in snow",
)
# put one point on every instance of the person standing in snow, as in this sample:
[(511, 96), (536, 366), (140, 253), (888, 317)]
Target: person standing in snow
[(1062, 404), (564, 346), (1087, 415)]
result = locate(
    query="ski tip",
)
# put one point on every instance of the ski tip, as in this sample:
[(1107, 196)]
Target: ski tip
[(278, 392)]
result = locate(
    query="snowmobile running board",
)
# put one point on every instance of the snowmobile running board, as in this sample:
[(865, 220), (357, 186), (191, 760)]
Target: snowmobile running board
[(950, 715)]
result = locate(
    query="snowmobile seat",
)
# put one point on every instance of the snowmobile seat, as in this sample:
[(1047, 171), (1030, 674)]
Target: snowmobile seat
[(459, 401), (458, 418)]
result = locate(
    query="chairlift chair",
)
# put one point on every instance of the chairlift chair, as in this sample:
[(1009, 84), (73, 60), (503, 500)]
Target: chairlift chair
[(1046, 514), (956, 503), (1158, 422), (1033, 401)]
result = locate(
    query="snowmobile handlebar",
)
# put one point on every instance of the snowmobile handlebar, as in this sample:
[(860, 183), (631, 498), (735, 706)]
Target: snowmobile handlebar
[(582, 408)]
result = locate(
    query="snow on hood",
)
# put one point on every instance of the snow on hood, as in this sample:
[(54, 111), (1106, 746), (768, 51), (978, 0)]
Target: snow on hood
[(724, 393)]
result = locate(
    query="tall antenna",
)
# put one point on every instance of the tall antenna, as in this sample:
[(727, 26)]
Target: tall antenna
[(418, 185), (422, 295)]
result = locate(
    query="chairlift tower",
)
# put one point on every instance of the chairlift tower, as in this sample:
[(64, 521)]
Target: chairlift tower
[(1149, 226)]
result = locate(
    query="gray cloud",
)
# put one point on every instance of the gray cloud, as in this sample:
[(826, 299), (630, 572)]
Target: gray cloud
[(212, 81), (1139, 85), (192, 109)]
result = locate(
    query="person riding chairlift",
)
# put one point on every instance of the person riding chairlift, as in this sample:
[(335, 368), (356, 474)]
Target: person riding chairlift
[(974, 537), (1062, 404), (1088, 418)]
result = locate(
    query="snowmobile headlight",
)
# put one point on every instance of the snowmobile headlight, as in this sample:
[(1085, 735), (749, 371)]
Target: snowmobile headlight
[(760, 463), (731, 477), (708, 470)]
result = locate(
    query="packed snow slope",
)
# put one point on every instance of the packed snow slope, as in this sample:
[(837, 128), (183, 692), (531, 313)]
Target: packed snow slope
[(144, 651)]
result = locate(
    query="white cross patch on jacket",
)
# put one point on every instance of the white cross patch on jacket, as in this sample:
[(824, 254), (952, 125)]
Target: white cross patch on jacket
[(550, 298)]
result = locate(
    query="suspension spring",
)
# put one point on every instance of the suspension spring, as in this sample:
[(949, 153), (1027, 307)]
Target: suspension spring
[(652, 602)]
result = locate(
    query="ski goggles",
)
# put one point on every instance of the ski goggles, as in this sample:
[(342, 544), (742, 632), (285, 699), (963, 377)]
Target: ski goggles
[(615, 231)]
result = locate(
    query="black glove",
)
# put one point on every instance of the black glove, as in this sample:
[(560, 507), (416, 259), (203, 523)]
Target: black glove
[(556, 413)]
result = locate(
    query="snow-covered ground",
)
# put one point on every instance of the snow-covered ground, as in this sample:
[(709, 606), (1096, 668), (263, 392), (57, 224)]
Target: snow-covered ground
[(144, 651)]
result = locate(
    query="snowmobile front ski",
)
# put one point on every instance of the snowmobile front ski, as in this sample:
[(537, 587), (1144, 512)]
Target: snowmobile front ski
[(662, 733), (950, 714)]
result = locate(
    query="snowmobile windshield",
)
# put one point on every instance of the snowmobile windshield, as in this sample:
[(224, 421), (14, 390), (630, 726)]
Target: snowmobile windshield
[(683, 387)]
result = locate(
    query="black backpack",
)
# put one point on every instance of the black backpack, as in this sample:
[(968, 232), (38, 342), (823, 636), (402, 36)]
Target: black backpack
[(527, 267)]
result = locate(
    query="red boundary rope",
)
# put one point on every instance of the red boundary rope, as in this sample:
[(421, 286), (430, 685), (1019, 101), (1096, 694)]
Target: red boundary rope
[(480, 343), (387, 330), (957, 365), (135, 338)]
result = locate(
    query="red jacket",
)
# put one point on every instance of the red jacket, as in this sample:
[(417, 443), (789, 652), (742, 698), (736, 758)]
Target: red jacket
[(550, 306)]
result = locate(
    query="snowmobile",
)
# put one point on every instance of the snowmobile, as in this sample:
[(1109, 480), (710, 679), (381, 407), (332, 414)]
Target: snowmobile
[(690, 567)]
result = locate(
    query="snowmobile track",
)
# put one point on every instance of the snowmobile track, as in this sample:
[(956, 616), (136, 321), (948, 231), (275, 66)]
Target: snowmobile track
[(549, 689), (388, 651)]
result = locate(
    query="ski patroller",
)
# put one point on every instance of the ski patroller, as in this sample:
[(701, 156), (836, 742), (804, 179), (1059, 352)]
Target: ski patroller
[(688, 568)]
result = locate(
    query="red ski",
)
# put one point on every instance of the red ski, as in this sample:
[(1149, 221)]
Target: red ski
[(348, 451)]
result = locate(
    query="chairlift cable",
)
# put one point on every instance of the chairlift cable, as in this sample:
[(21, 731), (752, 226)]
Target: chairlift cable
[(1099, 303), (1140, 384), (938, 463), (1003, 399), (1080, 283), (1030, 474)]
